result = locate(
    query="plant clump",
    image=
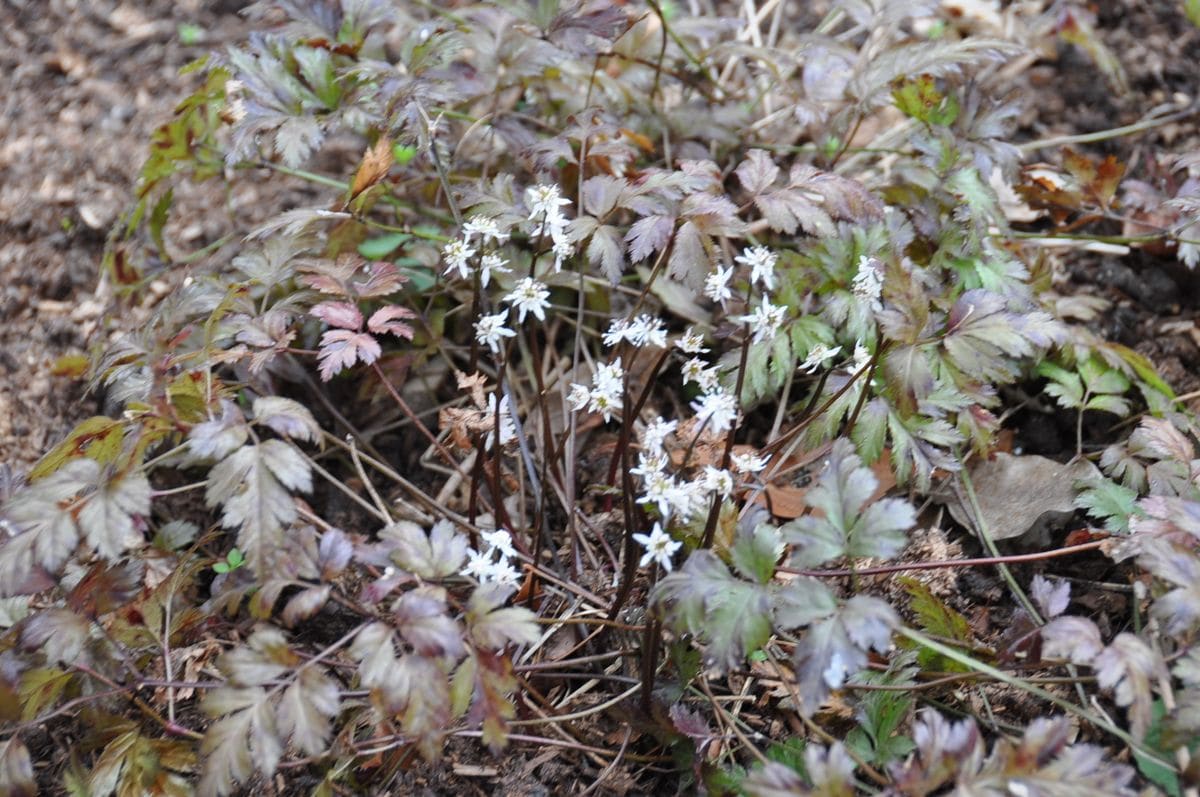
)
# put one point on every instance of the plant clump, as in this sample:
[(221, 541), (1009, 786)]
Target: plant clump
[(624, 355)]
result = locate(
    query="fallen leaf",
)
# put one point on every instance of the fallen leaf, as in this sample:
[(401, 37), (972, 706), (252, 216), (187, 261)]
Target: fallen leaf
[(1020, 495), (374, 166)]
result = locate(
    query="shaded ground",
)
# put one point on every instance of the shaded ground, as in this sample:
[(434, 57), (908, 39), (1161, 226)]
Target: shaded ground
[(84, 83)]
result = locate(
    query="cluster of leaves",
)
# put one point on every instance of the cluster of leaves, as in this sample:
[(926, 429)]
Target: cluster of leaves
[(347, 650)]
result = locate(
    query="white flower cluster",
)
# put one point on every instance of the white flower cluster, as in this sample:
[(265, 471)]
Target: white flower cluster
[(486, 568), (545, 204), (459, 254), (606, 393), (868, 282), (645, 330)]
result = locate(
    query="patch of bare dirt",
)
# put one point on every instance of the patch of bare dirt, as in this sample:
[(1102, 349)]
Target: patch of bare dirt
[(84, 83)]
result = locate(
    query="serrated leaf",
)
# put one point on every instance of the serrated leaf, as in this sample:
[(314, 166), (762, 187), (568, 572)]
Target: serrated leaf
[(492, 627), (334, 553), (649, 235), (1128, 667), (385, 320), (439, 554), (836, 647), (286, 417), (733, 617), (689, 262), (427, 711), (251, 484), (98, 438), (264, 658), (1109, 501), (607, 250), (305, 710), (939, 619), (802, 601), (845, 528), (305, 604), (756, 553), (1074, 638), (39, 688), (342, 348), (422, 620), (61, 635), (106, 520), (1052, 598), (986, 341), (239, 745)]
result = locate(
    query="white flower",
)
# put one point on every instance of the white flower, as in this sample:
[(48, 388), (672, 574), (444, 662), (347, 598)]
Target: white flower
[(656, 432), (578, 397), (490, 330), (692, 342), (689, 498), (693, 370), (491, 262), (529, 296), (819, 354), (503, 572), (718, 480), (761, 261), (649, 463), (499, 540), (716, 411), (485, 228), (868, 282), (618, 330), (605, 403), (544, 200), (659, 547), (660, 490), (862, 356), (478, 565), (647, 329), (610, 378), (508, 430), (766, 320), (456, 254), (716, 285), (710, 379), (562, 249), (748, 463)]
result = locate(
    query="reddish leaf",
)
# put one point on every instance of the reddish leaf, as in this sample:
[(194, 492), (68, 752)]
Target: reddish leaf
[(341, 348), (384, 320), (338, 314)]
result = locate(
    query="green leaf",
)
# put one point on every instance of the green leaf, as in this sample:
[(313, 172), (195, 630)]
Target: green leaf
[(380, 247), (939, 619), (1155, 772), (920, 99), (847, 526), (1111, 502), (1106, 403), (731, 616), (755, 554), (403, 153), (1066, 386), (1100, 379)]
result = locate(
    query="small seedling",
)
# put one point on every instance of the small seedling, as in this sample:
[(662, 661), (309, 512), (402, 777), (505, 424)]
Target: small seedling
[(233, 560)]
